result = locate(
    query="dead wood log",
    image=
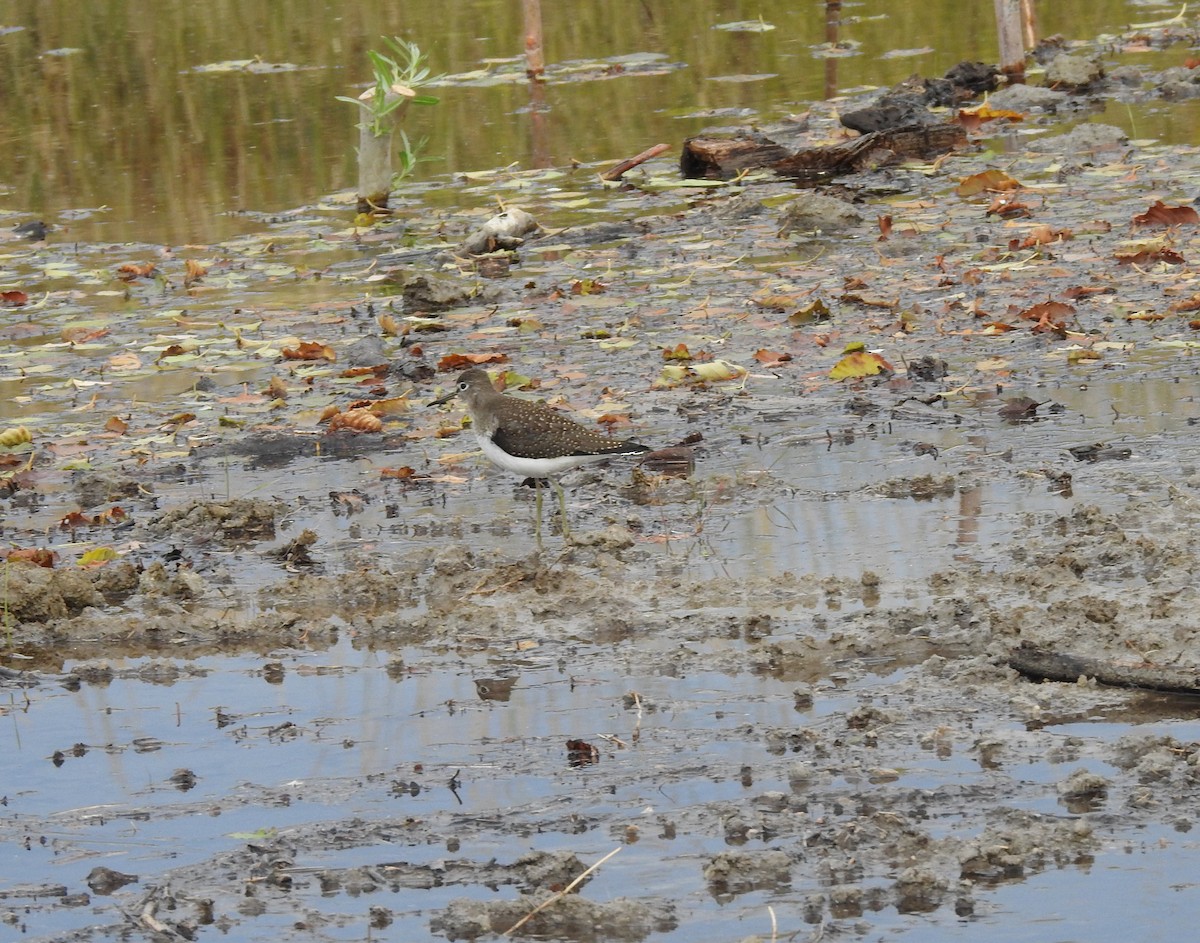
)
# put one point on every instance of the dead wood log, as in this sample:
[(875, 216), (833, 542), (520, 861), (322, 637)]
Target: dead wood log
[(721, 158), (1043, 665), (717, 158)]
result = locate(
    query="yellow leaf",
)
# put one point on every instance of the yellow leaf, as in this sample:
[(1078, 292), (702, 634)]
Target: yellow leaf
[(672, 375), (11, 438), (98, 556), (718, 370), (714, 371), (859, 362)]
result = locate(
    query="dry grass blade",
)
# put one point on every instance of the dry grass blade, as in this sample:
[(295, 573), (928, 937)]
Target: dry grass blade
[(563, 893)]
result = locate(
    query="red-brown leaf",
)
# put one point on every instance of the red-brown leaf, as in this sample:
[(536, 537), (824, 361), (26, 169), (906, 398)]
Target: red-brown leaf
[(1159, 214)]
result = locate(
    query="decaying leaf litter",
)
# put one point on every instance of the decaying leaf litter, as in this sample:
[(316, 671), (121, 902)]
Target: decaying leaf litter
[(159, 388)]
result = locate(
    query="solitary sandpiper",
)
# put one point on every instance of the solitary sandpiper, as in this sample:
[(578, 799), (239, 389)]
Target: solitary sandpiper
[(529, 438)]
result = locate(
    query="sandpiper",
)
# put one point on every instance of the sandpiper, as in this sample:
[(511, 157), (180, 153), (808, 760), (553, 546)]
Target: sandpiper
[(529, 438)]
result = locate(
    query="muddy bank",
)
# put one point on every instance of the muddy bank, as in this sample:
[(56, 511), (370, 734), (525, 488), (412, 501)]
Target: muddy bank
[(900, 784)]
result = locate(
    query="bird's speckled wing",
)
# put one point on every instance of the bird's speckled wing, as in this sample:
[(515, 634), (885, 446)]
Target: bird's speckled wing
[(539, 433)]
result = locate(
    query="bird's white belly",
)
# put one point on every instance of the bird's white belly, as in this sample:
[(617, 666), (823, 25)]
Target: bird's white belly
[(533, 467)]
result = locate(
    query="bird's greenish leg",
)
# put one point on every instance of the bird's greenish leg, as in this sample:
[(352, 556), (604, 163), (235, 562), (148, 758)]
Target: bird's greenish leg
[(562, 508)]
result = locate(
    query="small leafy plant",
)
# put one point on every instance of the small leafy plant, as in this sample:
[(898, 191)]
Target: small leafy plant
[(397, 76), (399, 71)]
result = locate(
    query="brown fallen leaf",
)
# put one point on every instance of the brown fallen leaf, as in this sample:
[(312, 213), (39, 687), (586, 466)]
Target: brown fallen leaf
[(194, 271), (1006, 207), (870, 301), (1159, 214), (1147, 255), (612, 420), (772, 358), (404, 472), (358, 420), (778, 300), (310, 350), (581, 753), (677, 461), (39, 556), (1051, 316), (989, 181), (379, 370), (1086, 291), (459, 361), (82, 335), (131, 271), (1019, 409), (114, 515), (74, 519), (1040, 236)]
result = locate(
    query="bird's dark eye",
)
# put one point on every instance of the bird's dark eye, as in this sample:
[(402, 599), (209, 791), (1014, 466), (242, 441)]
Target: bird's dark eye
[(462, 387)]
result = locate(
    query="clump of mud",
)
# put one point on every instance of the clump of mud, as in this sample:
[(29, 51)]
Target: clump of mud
[(237, 520)]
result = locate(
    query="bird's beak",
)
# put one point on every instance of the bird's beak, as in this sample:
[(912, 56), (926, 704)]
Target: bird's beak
[(443, 399)]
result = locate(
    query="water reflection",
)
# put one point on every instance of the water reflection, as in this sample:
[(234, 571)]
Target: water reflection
[(125, 121)]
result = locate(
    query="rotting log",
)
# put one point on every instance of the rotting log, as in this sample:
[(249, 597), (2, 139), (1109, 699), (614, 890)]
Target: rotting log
[(1041, 664), (718, 158)]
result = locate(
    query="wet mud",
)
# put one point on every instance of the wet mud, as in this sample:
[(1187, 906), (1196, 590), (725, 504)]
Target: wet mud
[(780, 687)]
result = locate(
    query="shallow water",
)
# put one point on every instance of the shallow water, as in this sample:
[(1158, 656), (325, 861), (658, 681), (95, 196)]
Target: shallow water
[(122, 125), (340, 733)]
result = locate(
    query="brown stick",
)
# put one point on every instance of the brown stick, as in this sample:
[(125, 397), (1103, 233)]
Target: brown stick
[(1043, 665), (535, 64), (1029, 23), (615, 173), (1008, 31)]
